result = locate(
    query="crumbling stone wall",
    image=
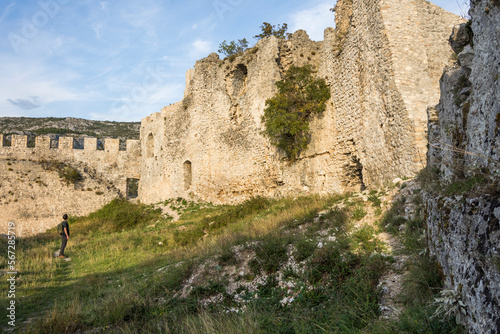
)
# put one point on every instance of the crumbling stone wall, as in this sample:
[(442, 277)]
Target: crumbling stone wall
[(111, 163), (383, 71), (34, 198), (464, 138)]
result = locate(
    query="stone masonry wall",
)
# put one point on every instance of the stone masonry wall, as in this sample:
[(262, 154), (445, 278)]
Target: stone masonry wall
[(383, 72), (111, 163), (464, 138), (34, 197)]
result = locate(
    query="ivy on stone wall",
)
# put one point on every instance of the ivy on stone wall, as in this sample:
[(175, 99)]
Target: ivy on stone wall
[(300, 97)]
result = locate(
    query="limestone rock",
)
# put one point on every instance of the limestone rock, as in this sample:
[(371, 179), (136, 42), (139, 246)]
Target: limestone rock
[(466, 57), (463, 230), (459, 37)]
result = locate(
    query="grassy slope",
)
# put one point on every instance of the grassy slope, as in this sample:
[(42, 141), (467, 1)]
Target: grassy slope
[(130, 266)]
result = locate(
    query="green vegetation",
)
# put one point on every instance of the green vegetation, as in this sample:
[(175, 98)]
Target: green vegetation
[(67, 173), (127, 271), (132, 188), (68, 127), (57, 131), (233, 48), (271, 30), (287, 115), (130, 267), (464, 186), (423, 279), (478, 183)]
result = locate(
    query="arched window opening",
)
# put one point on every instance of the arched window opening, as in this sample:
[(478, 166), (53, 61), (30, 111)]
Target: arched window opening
[(188, 175), (150, 146)]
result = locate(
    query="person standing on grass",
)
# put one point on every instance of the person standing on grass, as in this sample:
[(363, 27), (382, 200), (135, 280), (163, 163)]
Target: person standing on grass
[(64, 235)]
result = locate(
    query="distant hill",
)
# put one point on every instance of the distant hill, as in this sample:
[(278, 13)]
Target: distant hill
[(69, 126)]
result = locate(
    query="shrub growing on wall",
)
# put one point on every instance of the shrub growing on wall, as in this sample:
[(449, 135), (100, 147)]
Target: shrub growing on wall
[(272, 30), (233, 48), (300, 97)]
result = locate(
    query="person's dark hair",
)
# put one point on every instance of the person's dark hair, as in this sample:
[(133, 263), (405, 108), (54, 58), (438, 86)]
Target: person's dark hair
[(65, 216)]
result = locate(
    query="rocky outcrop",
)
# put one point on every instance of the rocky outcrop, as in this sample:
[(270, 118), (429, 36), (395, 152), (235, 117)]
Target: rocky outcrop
[(382, 75), (464, 219)]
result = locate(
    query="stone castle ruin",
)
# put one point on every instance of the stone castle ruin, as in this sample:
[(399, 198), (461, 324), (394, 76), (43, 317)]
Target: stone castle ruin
[(33, 194), (116, 166), (382, 63)]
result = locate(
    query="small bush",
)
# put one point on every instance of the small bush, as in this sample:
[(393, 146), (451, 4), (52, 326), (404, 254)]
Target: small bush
[(464, 186), (233, 48), (271, 254), (271, 30), (287, 115), (358, 213), (428, 178), (376, 202), (305, 248), (330, 263), (211, 289), (68, 173), (227, 258)]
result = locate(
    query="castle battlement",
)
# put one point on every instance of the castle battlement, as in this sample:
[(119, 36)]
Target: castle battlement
[(115, 165), (68, 143)]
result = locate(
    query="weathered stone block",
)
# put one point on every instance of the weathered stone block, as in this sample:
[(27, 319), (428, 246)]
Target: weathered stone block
[(90, 144), (42, 143), (66, 143), (19, 141)]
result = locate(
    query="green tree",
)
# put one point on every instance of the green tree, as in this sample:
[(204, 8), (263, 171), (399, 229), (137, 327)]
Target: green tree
[(233, 47), (268, 30), (286, 118)]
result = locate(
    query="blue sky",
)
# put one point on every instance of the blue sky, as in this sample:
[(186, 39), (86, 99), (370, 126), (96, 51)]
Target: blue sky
[(123, 60)]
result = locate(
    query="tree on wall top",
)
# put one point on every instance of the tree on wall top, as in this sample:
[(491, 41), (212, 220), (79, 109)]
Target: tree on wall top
[(286, 118), (278, 32), (233, 48)]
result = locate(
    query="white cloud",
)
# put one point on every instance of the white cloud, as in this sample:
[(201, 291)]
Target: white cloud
[(97, 29), (136, 105), (200, 48), (32, 85), (104, 5), (313, 20)]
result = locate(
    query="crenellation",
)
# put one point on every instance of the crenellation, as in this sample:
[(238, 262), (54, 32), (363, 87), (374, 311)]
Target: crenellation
[(113, 165), (45, 143), (90, 144), (111, 145), (66, 143), (133, 147), (19, 141)]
